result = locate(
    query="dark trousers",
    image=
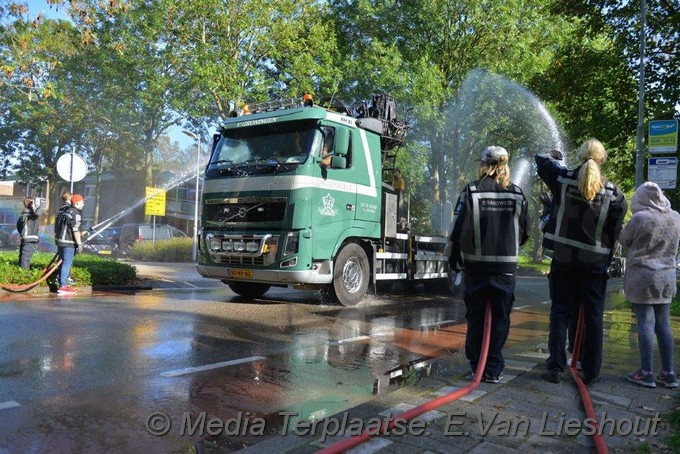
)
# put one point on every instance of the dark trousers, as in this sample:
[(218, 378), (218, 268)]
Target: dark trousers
[(499, 290), (26, 251), (568, 290)]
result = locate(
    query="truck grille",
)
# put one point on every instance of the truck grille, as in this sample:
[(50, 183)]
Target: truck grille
[(244, 210), (242, 260)]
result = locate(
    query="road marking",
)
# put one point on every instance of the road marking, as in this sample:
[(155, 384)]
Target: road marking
[(9, 404), (546, 302), (349, 339), (429, 325), (189, 284), (191, 370), (517, 308)]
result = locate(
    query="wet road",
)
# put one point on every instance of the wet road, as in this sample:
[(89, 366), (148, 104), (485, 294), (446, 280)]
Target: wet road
[(91, 372)]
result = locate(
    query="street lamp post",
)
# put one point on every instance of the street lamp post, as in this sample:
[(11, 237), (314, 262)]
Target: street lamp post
[(198, 165)]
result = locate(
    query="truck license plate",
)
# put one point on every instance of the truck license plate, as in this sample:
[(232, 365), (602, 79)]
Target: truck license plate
[(105, 252), (243, 274)]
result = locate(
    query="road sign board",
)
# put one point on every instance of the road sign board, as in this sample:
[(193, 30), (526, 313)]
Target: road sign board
[(663, 136), (663, 171), (155, 202), (71, 167)]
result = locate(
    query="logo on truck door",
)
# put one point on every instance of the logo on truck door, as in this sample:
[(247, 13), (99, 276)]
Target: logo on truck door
[(328, 203)]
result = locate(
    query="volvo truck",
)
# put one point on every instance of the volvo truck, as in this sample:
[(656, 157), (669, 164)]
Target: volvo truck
[(305, 195)]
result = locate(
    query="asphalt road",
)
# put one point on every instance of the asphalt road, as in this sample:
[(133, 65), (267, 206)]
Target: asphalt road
[(101, 371)]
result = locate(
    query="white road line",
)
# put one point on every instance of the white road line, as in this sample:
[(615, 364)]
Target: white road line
[(189, 284), (191, 370), (546, 302), (349, 339), (518, 308), (437, 323), (9, 404)]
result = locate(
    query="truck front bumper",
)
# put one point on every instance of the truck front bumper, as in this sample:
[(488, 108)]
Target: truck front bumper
[(321, 274)]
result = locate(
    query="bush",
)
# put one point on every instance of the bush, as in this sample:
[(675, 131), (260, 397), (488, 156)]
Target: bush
[(87, 270), (173, 250)]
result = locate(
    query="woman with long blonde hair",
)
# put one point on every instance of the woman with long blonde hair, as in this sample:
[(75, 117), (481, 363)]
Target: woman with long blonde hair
[(582, 230), (490, 225)]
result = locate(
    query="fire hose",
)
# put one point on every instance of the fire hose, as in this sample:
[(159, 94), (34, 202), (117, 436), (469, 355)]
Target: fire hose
[(348, 443), (51, 267), (600, 446)]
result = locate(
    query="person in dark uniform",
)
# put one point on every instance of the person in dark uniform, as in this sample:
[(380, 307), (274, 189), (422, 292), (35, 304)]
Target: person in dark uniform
[(490, 225), (585, 223), (27, 226)]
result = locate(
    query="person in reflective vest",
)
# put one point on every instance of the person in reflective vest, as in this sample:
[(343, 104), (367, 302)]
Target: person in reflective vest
[(582, 230), (489, 227)]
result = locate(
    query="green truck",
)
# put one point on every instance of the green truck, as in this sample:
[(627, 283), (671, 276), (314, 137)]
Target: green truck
[(304, 196)]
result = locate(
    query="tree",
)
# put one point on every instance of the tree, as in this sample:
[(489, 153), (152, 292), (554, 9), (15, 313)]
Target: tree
[(423, 51), (253, 50)]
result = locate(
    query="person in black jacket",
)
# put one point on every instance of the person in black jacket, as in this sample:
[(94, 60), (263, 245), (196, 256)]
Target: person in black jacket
[(67, 237), (27, 226), (585, 223), (490, 225)]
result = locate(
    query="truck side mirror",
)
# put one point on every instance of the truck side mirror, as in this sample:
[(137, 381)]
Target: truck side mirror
[(341, 145), (338, 162)]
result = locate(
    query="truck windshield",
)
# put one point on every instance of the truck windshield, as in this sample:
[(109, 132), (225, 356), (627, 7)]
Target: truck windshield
[(277, 146)]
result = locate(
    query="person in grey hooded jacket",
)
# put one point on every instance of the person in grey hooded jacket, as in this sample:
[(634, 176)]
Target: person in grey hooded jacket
[(651, 238)]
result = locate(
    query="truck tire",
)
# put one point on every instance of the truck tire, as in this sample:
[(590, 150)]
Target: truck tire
[(350, 276), (248, 289)]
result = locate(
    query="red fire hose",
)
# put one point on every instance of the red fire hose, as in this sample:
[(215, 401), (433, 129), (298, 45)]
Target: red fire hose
[(600, 445), (46, 272), (351, 442)]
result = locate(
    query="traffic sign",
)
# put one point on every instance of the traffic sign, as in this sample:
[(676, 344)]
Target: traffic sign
[(155, 202), (71, 167), (663, 136), (663, 171)]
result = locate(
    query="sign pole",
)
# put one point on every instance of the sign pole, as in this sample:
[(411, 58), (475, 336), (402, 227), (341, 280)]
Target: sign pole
[(71, 170)]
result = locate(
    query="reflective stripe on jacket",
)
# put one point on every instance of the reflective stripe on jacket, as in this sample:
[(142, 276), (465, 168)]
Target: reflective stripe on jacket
[(491, 224)]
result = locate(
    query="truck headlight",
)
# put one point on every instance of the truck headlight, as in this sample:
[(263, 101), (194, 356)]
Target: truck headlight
[(215, 243), (252, 247), (227, 246), (292, 243)]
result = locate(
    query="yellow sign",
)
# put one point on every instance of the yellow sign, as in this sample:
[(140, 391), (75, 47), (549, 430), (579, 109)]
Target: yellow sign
[(155, 202)]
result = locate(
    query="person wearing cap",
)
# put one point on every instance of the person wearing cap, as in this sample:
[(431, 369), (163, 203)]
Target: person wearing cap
[(586, 220), (651, 240), (490, 225), (67, 236)]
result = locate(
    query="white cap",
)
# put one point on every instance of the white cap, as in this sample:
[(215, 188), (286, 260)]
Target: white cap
[(492, 154)]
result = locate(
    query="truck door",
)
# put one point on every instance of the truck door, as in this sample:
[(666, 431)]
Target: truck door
[(334, 195)]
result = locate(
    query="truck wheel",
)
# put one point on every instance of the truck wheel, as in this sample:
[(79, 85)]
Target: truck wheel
[(350, 276), (248, 289)]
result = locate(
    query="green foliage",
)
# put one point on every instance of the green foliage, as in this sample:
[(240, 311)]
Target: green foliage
[(172, 250), (87, 270), (675, 304), (527, 263)]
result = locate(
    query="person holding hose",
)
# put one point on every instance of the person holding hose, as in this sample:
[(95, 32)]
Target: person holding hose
[(585, 223), (27, 226), (651, 241), (489, 227)]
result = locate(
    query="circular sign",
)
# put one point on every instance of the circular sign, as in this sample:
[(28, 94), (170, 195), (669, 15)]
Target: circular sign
[(71, 167)]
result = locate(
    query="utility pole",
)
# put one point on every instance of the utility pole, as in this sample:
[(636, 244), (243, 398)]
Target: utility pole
[(639, 148)]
